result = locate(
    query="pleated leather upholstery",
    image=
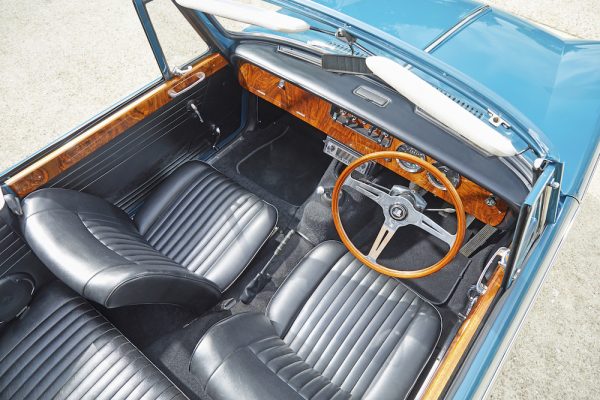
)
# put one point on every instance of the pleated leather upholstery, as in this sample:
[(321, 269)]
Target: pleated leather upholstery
[(206, 222), (121, 237), (191, 239), (335, 329), (353, 322), (292, 369), (62, 348)]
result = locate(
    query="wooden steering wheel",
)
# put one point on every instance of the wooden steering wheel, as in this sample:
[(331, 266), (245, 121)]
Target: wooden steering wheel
[(401, 207)]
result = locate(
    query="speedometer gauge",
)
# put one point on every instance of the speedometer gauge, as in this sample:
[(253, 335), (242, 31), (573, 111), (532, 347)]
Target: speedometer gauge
[(452, 176), (406, 165)]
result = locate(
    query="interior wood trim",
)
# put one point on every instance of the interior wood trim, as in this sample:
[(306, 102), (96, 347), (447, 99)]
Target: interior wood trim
[(42, 171), (464, 338), (315, 111)]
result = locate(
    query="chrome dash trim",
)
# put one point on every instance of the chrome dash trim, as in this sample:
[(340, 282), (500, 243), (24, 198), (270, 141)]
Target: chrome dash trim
[(299, 54)]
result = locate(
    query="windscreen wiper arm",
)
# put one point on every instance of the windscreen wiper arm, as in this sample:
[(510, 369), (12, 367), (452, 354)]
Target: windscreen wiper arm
[(346, 37)]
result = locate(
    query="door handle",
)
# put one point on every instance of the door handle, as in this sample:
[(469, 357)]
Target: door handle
[(200, 76)]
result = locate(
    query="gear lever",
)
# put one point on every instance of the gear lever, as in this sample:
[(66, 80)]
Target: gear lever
[(263, 277)]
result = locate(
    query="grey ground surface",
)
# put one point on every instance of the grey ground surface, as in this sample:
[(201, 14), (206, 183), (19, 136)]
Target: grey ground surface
[(65, 60)]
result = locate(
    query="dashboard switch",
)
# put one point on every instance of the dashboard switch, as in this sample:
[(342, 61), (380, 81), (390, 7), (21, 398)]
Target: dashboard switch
[(361, 126)]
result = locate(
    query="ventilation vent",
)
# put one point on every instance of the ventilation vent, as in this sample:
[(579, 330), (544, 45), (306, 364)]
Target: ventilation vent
[(346, 49), (473, 110)]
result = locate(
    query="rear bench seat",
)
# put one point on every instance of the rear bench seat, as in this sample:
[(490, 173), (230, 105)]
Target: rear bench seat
[(63, 348)]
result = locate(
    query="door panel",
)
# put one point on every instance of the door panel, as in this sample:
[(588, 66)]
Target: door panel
[(71, 153), (127, 151), (125, 170)]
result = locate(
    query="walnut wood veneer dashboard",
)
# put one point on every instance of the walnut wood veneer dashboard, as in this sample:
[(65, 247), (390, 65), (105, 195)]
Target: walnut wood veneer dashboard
[(324, 116)]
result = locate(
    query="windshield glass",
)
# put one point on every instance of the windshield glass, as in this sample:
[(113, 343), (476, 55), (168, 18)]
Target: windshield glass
[(324, 42)]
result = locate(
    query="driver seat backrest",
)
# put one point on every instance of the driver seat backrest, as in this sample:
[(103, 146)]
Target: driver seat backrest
[(191, 239), (335, 329)]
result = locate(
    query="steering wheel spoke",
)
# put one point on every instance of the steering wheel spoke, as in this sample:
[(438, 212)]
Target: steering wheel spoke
[(386, 233), (367, 189), (433, 228)]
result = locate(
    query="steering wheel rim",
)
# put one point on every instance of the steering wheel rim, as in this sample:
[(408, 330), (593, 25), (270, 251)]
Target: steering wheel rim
[(427, 166)]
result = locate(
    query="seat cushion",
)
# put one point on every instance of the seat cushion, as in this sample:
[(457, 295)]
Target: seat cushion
[(62, 348), (334, 329), (242, 357), (206, 222)]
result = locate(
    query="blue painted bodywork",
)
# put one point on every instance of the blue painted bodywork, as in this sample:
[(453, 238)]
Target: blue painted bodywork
[(555, 83), (416, 22)]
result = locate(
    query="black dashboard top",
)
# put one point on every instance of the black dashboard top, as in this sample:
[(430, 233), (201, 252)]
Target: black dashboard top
[(397, 116)]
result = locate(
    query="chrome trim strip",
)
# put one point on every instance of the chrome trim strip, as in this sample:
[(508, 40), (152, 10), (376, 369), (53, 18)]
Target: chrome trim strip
[(159, 55), (521, 167), (442, 38), (299, 54)]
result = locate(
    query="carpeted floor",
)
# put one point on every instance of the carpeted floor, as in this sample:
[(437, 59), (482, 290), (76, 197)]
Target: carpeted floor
[(289, 166)]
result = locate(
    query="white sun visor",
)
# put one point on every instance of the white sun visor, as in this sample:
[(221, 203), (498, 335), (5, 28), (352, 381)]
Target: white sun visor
[(440, 107), (247, 14)]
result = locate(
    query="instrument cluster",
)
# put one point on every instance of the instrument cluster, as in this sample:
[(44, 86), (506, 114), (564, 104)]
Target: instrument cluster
[(453, 176), (384, 139)]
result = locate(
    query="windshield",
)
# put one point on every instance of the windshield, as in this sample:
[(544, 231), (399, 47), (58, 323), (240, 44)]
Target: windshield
[(320, 38)]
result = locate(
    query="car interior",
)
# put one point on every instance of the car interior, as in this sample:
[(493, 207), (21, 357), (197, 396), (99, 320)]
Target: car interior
[(222, 242)]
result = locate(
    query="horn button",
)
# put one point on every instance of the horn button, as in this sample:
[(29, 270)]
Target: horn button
[(399, 212)]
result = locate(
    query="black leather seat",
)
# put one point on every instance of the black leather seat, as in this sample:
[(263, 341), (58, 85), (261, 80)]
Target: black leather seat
[(62, 348), (334, 330), (188, 243)]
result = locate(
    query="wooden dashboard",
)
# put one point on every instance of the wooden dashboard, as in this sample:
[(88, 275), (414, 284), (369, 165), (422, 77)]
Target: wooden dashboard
[(310, 108)]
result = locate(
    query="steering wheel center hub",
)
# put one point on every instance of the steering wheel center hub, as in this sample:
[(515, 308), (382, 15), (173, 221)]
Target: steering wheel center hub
[(399, 212)]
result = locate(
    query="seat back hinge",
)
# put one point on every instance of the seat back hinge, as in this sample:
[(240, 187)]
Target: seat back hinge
[(11, 200)]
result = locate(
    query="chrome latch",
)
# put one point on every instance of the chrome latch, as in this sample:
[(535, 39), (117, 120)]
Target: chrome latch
[(194, 109), (180, 72), (479, 288)]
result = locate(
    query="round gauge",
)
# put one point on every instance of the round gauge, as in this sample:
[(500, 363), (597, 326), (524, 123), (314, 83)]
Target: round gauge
[(408, 166), (452, 176)]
